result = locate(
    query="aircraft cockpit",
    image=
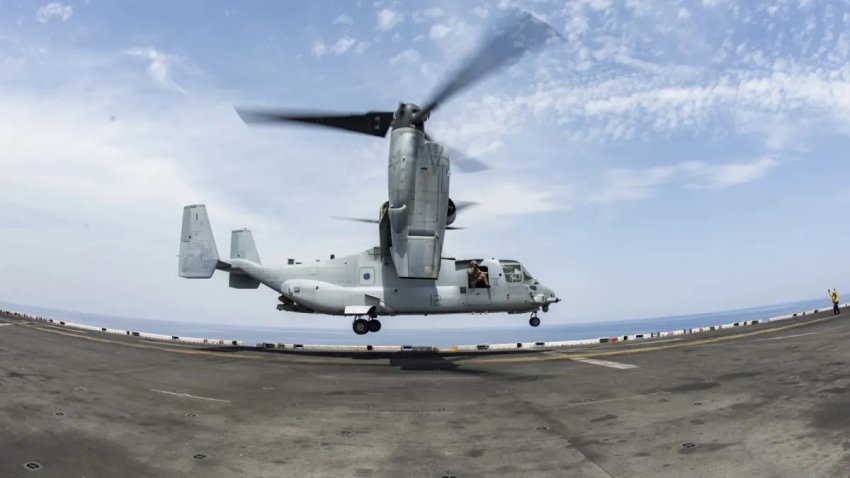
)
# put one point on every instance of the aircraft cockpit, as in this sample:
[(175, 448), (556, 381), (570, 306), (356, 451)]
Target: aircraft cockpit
[(515, 273)]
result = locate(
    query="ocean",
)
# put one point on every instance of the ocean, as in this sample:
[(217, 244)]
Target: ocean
[(251, 335)]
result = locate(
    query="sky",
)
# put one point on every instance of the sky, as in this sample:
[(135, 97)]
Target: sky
[(661, 158)]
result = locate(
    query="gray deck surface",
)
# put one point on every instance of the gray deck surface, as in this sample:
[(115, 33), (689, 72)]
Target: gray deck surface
[(768, 400)]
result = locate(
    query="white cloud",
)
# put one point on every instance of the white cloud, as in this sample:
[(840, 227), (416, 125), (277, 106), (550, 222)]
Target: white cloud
[(439, 31), (51, 10), (159, 66), (628, 184), (408, 57), (481, 12), (343, 45), (343, 19), (429, 13), (387, 19), (361, 47), (598, 5), (434, 12), (708, 175), (624, 184), (318, 48)]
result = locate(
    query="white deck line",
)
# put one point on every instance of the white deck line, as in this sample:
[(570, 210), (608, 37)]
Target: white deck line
[(786, 337), (186, 395), (605, 363)]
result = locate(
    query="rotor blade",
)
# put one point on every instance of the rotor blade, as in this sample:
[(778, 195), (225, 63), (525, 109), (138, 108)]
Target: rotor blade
[(464, 163), (355, 219), (375, 221), (375, 123), (468, 165), (519, 33), (461, 205)]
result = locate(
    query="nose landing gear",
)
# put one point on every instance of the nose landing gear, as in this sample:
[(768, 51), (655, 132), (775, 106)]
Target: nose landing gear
[(362, 326), (534, 321)]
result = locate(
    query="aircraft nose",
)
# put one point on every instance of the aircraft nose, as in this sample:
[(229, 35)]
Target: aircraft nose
[(551, 298), (545, 295)]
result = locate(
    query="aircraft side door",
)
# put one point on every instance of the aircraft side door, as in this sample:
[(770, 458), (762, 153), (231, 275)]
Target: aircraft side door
[(480, 299)]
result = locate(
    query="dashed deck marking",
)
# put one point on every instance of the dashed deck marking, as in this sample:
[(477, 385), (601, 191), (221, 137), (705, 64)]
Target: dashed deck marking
[(1, 325), (605, 363), (787, 336), (186, 395)]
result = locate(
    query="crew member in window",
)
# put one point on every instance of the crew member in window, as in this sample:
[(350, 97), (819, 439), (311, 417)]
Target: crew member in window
[(476, 276)]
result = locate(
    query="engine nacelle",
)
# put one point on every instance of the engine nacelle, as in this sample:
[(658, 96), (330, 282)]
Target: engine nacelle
[(451, 213)]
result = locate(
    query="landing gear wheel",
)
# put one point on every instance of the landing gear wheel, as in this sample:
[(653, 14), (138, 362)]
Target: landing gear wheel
[(360, 326), (374, 325), (534, 321)]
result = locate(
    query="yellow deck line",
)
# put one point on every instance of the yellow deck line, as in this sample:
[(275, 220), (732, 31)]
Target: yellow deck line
[(289, 358)]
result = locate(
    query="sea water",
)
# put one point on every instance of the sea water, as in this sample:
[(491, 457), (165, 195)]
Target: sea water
[(251, 335)]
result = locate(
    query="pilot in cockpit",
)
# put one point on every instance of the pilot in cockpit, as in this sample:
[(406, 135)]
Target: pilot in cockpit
[(475, 276)]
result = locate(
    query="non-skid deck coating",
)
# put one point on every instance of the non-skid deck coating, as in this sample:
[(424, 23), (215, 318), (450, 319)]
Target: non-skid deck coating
[(766, 400)]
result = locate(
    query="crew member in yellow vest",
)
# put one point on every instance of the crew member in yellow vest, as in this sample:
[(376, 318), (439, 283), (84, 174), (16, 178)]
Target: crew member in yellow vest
[(833, 294)]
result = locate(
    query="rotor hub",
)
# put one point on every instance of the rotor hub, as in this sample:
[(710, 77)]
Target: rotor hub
[(409, 115)]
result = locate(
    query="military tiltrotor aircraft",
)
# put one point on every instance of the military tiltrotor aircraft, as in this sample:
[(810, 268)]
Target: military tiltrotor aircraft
[(407, 273)]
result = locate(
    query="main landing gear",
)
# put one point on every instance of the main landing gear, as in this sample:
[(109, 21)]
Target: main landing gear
[(362, 326), (534, 321)]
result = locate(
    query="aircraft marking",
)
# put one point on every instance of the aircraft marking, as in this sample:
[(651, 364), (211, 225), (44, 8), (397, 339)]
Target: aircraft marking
[(605, 363), (186, 395), (787, 336)]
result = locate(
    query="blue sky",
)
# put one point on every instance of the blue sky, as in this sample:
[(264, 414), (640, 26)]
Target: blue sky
[(662, 158)]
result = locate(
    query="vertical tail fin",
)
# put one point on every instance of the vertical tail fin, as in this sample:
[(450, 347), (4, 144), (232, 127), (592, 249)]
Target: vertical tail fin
[(198, 254), (242, 247)]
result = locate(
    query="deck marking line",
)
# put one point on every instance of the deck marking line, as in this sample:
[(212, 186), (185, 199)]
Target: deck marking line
[(1, 325), (635, 350), (186, 395), (198, 351), (605, 363), (787, 336)]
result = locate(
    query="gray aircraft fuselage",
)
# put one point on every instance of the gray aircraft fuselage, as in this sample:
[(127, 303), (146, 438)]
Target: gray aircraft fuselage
[(364, 284), (367, 284)]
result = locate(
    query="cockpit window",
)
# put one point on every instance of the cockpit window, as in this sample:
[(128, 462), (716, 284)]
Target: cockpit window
[(514, 272)]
